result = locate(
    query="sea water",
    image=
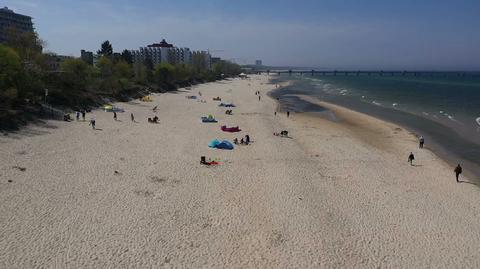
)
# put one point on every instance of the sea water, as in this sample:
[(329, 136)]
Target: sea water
[(443, 107)]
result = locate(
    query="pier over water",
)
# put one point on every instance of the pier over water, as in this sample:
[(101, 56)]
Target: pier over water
[(372, 73)]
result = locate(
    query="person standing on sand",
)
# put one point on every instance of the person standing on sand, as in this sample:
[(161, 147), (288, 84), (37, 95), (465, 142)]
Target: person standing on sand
[(259, 98), (421, 141), (114, 115), (458, 171), (131, 116), (92, 123), (83, 115), (77, 115), (411, 157), (288, 114)]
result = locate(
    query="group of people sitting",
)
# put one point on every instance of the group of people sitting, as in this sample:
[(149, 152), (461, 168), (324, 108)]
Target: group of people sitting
[(243, 141), (282, 133), (153, 120), (217, 98), (229, 112)]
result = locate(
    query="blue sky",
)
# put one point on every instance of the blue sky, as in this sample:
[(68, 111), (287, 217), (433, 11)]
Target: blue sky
[(422, 34)]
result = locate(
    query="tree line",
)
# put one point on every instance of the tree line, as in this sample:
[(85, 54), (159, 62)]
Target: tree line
[(25, 73)]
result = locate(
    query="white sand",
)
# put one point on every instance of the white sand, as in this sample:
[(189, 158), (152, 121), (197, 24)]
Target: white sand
[(336, 195)]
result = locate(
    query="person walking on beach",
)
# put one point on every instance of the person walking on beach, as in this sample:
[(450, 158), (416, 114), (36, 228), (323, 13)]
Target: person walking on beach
[(114, 115), (92, 123), (83, 115), (421, 141), (288, 114), (77, 115), (458, 171), (131, 116), (259, 98), (411, 157)]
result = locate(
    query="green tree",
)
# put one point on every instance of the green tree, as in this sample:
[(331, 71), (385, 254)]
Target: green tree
[(26, 44), (148, 63), (140, 73), (127, 56), (10, 68), (226, 68), (199, 61), (105, 66), (105, 49), (182, 73), (18, 80), (149, 68), (164, 73), (77, 75), (10, 75), (122, 69), (77, 67)]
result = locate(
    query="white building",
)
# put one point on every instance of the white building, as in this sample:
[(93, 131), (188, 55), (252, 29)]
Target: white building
[(183, 55), (162, 52), (202, 59)]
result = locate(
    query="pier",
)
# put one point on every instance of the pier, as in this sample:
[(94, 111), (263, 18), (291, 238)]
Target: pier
[(371, 73)]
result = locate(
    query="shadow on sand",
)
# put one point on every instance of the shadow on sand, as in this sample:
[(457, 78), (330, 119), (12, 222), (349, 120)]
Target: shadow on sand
[(468, 182)]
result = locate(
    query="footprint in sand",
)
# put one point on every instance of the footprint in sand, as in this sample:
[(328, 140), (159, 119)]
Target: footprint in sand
[(19, 168), (156, 179), (144, 193), (276, 239)]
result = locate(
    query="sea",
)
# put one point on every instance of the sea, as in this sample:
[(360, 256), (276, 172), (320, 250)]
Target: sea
[(442, 107)]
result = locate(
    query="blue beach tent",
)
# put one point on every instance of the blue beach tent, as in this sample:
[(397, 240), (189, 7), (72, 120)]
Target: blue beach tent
[(214, 143), (225, 144)]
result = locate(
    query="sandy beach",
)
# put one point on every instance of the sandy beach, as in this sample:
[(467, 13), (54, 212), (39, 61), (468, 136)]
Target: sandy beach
[(338, 194)]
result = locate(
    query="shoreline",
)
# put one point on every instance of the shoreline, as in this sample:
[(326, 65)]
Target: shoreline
[(470, 170), (130, 194), (414, 135)]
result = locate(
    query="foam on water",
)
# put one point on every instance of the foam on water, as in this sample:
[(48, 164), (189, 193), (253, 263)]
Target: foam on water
[(440, 107)]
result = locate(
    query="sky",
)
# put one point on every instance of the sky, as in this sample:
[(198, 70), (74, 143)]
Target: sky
[(331, 34)]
